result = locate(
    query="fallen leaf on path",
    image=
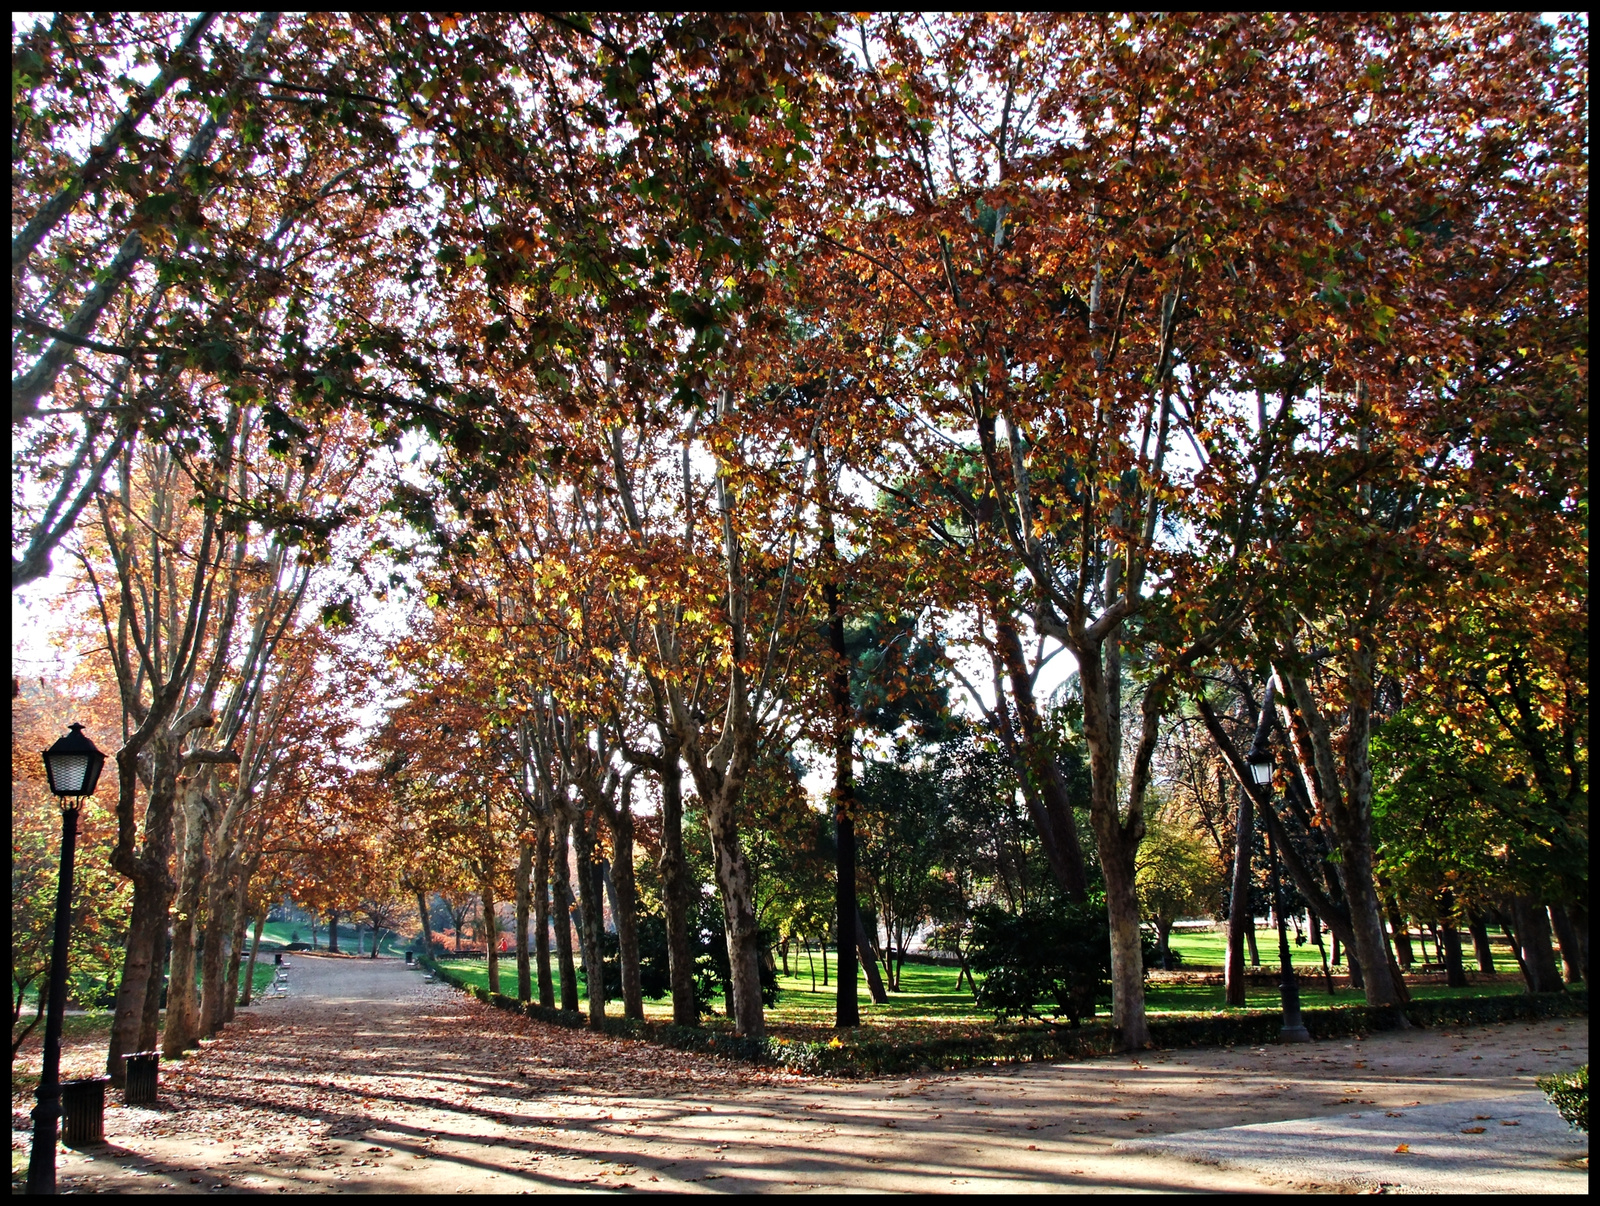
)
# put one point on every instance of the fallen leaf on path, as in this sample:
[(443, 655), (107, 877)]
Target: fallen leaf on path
[(1472, 1130), (1403, 1150), (1509, 1122)]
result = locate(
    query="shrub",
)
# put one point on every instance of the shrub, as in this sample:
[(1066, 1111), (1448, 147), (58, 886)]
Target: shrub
[(1569, 1093), (1058, 953)]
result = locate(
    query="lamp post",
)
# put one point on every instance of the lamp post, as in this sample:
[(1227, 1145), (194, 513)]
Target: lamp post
[(1293, 1030), (72, 765)]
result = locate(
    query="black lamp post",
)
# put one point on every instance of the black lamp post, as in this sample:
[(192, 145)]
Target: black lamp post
[(72, 766), (1294, 1030)]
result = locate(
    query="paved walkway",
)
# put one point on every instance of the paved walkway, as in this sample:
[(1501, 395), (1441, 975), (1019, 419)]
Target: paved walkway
[(366, 1079), (1517, 1143)]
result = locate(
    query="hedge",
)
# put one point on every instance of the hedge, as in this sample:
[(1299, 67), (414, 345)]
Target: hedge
[(848, 1057), (1569, 1093)]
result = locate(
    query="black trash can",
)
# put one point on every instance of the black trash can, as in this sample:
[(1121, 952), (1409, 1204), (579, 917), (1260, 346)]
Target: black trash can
[(277, 958), (142, 1071), (83, 1111), (408, 958)]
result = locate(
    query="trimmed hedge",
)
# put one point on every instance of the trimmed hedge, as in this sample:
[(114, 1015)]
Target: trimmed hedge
[(1569, 1093), (847, 1057)]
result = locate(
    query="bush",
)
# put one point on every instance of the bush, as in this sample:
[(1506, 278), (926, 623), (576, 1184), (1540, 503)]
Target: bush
[(1569, 1093), (1058, 953)]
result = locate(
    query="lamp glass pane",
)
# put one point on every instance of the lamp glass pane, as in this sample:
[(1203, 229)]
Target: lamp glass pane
[(1261, 772), (67, 772)]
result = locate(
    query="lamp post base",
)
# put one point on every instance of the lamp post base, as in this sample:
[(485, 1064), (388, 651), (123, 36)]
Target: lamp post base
[(1294, 1034)]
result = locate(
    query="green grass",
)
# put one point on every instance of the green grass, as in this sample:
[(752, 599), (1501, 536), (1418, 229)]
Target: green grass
[(276, 935), (87, 1023), (1208, 949), (931, 1001)]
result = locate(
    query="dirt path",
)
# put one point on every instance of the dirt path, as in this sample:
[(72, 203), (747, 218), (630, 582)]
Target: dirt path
[(366, 1079)]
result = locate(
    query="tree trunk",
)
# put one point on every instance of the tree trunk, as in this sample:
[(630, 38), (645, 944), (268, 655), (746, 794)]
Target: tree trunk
[(333, 931), (182, 1030), (592, 911), (491, 943), (1163, 943), (150, 1020), (541, 917), (524, 901), (1571, 948), (250, 970), (869, 963), (1351, 819), (561, 864), (1450, 952), (1127, 959), (675, 890), (847, 1010), (1240, 921), (1035, 761), (219, 950), (1402, 936), (1578, 919), (1117, 839), (1533, 937), (738, 906), (1250, 938), (626, 906), (147, 919), (241, 923), (221, 942), (1478, 927), (427, 923)]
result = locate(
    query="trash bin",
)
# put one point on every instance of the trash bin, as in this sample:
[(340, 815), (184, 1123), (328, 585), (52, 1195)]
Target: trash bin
[(83, 1111), (139, 1085), (277, 958), (408, 958)]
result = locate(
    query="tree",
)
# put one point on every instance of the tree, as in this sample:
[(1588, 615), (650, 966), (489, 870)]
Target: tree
[(1179, 872)]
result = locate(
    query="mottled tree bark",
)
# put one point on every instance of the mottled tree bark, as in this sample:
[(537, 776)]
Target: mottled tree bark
[(250, 971), (541, 917), (491, 936), (525, 853), (1533, 940), (1036, 764), (1482, 950), (182, 1030), (1572, 954), (563, 919), (676, 890), (147, 920), (1240, 923), (627, 909)]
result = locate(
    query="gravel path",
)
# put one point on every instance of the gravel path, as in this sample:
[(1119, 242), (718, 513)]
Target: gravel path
[(366, 1079)]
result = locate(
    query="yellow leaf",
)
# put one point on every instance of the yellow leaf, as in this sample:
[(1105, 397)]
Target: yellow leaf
[(1403, 1150)]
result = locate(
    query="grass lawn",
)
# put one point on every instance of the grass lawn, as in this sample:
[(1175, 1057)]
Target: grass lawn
[(931, 1002), (1207, 949), (276, 935)]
